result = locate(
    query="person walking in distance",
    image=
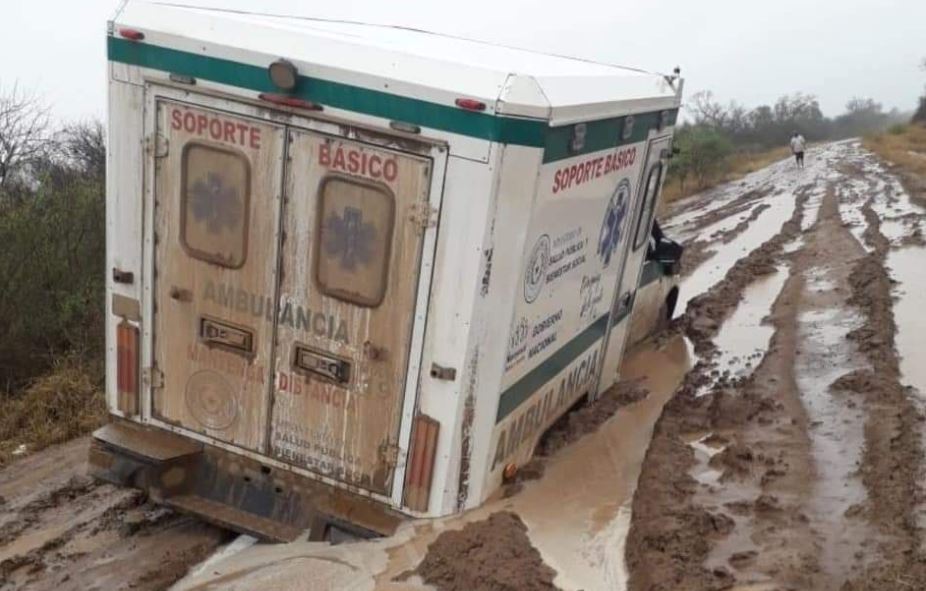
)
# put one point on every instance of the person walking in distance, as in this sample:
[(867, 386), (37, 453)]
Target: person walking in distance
[(797, 148)]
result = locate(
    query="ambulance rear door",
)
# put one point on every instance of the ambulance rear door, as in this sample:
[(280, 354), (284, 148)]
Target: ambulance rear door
[(355, 220), (217, 191)]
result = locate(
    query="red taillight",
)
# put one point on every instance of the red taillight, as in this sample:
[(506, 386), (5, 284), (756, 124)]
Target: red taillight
[(289, 101), (127, 368), (131, 34), (420, 465), (470, 104)]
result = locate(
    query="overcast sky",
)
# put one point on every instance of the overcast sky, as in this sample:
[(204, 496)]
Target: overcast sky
[(834, 49)]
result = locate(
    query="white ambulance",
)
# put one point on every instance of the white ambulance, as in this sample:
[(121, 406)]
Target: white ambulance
[(354, 272)]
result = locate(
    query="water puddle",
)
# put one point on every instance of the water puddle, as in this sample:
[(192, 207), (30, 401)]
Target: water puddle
[(713, 269), (836, 420), (577, 517), (812, 208), (852, 197), (792, 246), (906, 266), (900, 217), (704, 450), (744, 337)]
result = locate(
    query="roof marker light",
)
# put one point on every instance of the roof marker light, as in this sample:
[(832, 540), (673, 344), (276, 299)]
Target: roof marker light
[(470, 104), (289, 101), (131, 34), (283, 74)]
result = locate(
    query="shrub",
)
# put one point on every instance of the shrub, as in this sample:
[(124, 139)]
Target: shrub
[(64, 403)]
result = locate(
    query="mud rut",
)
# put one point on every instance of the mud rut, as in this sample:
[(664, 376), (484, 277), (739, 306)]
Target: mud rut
[(61, 530), (806, 471), (790, 458)]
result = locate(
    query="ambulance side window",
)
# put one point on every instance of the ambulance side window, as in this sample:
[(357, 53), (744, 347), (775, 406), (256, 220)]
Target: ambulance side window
[(215, 201), (649, 203), (354, 238)]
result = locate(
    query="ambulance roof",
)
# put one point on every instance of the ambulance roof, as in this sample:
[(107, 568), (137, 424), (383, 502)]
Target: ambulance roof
[(401, 61)]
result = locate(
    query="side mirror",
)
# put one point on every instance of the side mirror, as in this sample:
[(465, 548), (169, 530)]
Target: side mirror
[(668, 253)]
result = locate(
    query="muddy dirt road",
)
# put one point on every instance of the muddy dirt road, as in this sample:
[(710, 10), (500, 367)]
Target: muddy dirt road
[(772, 440), (792, 458), (61, 530)]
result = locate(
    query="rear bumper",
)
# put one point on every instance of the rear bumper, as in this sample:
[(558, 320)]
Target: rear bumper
[(231, 490)]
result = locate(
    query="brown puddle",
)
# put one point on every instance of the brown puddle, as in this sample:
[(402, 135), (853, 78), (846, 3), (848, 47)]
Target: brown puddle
[(907, 268), (713, 269), (743, 338), (836, 429), (590, 483)]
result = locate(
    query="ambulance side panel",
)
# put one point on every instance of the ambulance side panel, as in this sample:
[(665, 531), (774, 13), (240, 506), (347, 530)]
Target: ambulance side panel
[(515, 187), (458, 283), (560, 295), (124, 218)]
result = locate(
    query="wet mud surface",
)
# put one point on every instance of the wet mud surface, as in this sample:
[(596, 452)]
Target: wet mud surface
[(771, 439), (61, 530), (802, 466), (494, 554)]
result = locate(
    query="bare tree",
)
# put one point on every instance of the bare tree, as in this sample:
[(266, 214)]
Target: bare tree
[(706, 110), (84, 147), (23, 132)]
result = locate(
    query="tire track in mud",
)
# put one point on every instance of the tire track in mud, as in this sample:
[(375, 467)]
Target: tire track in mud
[(671, 537), (769, 506), (698, 251), (892, 467), (62, 530)]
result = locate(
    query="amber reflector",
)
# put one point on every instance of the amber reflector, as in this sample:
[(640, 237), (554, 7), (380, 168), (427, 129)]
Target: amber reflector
[(127, 368), (421, 463)]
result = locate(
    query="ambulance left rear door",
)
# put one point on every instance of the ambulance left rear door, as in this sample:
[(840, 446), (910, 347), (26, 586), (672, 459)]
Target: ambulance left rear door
[(218, 182)]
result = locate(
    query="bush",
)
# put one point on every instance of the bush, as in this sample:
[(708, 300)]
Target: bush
[(64, 403), (703, 155), (920, 115), (53, 233)]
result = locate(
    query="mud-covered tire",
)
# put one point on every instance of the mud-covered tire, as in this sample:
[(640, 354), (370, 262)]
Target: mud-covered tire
[(662, 319)]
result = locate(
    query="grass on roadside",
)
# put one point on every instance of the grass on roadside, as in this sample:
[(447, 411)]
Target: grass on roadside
[(63, 404), (903, 145), (738, 165)]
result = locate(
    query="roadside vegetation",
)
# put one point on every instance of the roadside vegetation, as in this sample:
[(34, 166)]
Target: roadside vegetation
[(903, 147), (52, 228), (723, 142)]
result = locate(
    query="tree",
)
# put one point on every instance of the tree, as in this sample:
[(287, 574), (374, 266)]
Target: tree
[(862, 116), (83, 145), (920, 115), (23, 133), (706, 111), (703, 154)]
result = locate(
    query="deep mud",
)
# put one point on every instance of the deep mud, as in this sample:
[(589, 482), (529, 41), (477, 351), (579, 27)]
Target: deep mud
[(790, 456), (805, 472), (61, 530), (494, 554)]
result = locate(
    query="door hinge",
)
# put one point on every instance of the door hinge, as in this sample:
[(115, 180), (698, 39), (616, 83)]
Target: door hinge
[(423, 215), (157, 144), (153, 377), (389, 454)]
